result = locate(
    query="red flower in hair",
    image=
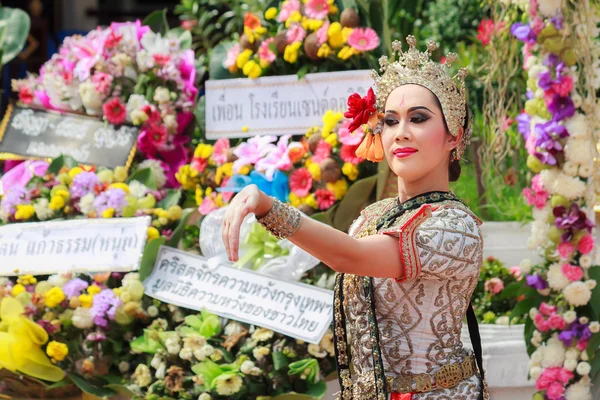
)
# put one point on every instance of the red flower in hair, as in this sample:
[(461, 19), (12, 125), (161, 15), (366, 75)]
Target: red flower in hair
[(360, 109)]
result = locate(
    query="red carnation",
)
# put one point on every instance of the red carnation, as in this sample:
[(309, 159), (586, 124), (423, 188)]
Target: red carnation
[(360, 109)]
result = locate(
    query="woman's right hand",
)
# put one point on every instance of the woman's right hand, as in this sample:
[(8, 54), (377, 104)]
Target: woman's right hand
[(248, 200)]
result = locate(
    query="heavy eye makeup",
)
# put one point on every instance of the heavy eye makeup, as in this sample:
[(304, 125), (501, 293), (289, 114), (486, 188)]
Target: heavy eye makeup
[(416, 118)]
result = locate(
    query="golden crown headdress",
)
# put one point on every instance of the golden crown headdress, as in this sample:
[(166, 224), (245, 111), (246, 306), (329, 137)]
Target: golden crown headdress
[(411, 67)]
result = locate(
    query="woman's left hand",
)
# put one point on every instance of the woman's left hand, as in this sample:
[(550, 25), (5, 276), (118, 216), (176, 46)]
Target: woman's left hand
[(248, 200)]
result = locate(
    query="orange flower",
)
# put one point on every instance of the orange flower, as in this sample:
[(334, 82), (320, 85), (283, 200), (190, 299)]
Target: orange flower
[(296, 154), (251, 21)]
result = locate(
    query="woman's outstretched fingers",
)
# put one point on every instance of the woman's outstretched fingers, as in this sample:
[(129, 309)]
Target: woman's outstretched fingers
[(234, 230), (225, 233)]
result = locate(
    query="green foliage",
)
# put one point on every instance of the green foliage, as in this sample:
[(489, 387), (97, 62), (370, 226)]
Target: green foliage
[(14, 29)]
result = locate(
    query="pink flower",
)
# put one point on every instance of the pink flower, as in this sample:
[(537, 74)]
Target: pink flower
[(544, 381), (113, 39), (325, 199), (363, 39), (265, 53), (221, 151), (26, 95), (301, 182), (536, 196), (564, 87), (586, 244), (546, 309), (348, 154), (515, 271), (161, 59), (541, 324), (563, 375), (114, 111), (557, 322), (208, 205), (494, 285), (252, 151), (317, 9), (199, 164), (350, 138), (485, 30), (565, 249), (530, 144), (275, 158), (323, 33), (151, 138), (295, 33), (572, 272), (322, 152), (102, 82), (232, 55), (189, 24), (582, 344), (288, 9), (555, 391)]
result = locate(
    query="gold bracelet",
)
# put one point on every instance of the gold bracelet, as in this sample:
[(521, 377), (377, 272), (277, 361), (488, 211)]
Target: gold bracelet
[(282, 220)]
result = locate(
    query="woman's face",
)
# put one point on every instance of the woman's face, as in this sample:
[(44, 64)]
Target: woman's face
[(415, 138)]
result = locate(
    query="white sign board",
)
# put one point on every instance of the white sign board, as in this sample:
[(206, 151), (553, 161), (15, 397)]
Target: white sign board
[(294, 309), (278, 105), (83, 245)]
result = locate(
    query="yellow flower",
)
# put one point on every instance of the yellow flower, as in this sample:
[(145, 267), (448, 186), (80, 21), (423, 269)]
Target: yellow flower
[(332, 139), (225, 170), (73, 172), (336, 39), (333, 9), (295, 201), (27, 280), (120, 185), (25, 211), (152, 233), (315, 171), (312, 131), (187, 176), (56, 203), (86, 300), (338, 188), (294, 17), (54, 297), (346, 32), (108, 213), (254, 34), (208, 191), (312, 24), (63, 193), (346, 53), (245, 128), (219, 200), (199, 195), (203, 150), (350, 171), (311, 201), (330, 120), (93, 290), (252, 70), (245, 170), (291, 52), (174, 213), (271, 13), (120, 174), (17, 289), (57, 351), (243, 58), (117, 291), (324, 51)]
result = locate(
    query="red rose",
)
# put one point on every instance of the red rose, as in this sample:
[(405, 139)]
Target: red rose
[(360, 109)]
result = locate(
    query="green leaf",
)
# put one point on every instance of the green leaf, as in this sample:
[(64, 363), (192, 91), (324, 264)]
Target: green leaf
[(515, 289), (87, 386), (171, 199), (349, 4), (216, 70), (145, 177), (61, 161), (15, 24), (280, 360), (211, 325), (595, 367), (593, 345), (208, 370), (180, 229), (303, 71), (595, 300), (157, 21), (145, 344), (120, 389), (194, 321), (184, 37), (316, 390), (524, 306), (149, 256)]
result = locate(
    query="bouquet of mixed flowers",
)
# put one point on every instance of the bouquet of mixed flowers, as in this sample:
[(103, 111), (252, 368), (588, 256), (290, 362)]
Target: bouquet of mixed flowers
[(125, 74), (309, 32), (195, 357), (312, 174), (492, 299)]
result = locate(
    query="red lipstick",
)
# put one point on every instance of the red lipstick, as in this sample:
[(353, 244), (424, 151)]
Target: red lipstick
[(403, 152)]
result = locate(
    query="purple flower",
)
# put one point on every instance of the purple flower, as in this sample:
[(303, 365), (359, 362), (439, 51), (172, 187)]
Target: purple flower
[(523, 32), (576, 331), (74, 287), (561, 108), (83, 183), (548, 145), (566, 337), (536, 282), (112, 198), (545, 82), (96, 337), (48, 327), (14, 197), (571, 220), (523, 125), (104, 305), (557, 22), (529, 94), (551, 60)]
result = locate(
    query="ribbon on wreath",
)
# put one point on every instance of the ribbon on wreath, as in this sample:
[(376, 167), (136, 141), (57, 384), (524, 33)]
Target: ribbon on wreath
[(258, 246)]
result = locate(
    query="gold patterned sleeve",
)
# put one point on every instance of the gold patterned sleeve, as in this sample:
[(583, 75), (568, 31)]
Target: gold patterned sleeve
[(440, 243)]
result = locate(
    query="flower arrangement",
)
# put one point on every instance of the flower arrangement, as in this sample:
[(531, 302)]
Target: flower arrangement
[(562, 329), (124, 74), (196, 357), (57, 191), (299, 32), (492, 298), (312, 174)]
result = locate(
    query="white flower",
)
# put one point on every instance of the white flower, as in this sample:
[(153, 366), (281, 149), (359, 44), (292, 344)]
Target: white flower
[(144, 60), (91, 98), (171, 123), (533, 312), (572, 354), (548, 176), (568, 186), (535, 372), (138, 117), (503, 320), (157, 171), (578, 151), (204, 396), (58, 280), (570, 365), (584, 320), (316, 351), (233, 328), (579, 391), (226, 385), (260, 352), (537, 355), (536, 70), (162, 95), (577, 126), (173, 345), (525, 266), (584, 356), (156, 361), (556, 279), (152, 311), (591, 284), (539, 234), (161, 371), (539, 93), (586, 171), (570, 316), (570, 168), (86, 203), (594, 327), (42, 211), (530, 62), (583, 368), (537, 335), (577, 294), (544, 292), (82, 318), (249, 368), (262, 335), (554, 354), (534, 342), (136, 102), (141, 376), (585, 261), (186, 353), (205, 351), (137, 189), (577, 100), (550, 8), (123, 366)]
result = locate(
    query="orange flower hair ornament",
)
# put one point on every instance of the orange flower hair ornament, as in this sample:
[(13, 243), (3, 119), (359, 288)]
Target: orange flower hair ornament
[(362, 111)]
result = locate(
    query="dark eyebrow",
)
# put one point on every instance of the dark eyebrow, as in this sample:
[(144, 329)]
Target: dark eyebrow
[(410, 110)]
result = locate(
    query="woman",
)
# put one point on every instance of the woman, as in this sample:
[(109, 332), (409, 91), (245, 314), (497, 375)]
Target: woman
[(410, 264)]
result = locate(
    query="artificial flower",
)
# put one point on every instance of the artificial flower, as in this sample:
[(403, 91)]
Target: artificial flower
[(360, 109)]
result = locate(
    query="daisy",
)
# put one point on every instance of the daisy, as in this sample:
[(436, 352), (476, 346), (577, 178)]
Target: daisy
[(363, 39)]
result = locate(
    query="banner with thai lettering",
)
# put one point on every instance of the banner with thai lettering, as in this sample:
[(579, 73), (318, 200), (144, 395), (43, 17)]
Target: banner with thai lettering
[(294, 309), (278, 105), (83, 245)]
